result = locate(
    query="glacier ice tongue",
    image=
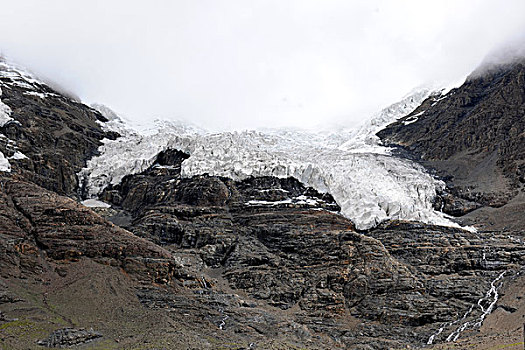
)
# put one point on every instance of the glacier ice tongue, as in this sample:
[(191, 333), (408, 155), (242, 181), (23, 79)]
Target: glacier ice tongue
[(367, 182)]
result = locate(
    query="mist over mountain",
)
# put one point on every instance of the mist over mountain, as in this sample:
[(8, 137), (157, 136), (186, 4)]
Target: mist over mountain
[(508, 52)]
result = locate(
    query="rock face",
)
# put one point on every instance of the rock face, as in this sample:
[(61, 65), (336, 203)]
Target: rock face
[(36, 221), (68, 337), (474, 137), (56, 133), (455, 266), (252, 257)]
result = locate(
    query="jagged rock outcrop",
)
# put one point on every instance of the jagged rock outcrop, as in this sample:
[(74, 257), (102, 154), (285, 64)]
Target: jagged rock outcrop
[(68, 337), (38, 224)]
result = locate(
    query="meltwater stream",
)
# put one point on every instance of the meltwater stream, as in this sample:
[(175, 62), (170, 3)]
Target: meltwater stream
[(491, 297)]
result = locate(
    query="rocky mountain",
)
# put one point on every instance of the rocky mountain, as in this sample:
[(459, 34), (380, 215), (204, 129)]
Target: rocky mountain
[(474, 138), (171, 256), (46, 136)]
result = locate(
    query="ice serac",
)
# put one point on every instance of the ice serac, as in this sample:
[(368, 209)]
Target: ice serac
[(367, 182)]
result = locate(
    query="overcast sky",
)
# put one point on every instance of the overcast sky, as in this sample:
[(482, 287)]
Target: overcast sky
[(249, 63)]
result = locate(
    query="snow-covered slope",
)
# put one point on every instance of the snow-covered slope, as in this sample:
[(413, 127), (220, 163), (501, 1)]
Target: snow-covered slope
[(365, 139), (20, 77), (23, 78), (369, 184)]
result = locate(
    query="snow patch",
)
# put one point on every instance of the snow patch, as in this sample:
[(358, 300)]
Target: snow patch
[(4, 163), (273, 190), (302, 200), (5, 112), (18, 155), (19, 76), (34, 93), (410, 120), (95, 203)]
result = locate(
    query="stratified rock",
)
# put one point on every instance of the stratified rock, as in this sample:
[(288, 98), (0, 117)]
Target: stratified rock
[(37, 220), (265, 262), (402, 282), (68, 337)]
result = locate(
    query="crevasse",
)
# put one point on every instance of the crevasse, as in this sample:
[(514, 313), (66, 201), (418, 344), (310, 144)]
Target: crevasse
[(367, 182)]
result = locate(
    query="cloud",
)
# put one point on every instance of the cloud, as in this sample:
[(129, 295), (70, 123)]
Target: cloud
[(507, 52), (238, 64)]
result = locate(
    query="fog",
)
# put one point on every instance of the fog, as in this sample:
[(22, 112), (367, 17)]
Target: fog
[(260, 63)]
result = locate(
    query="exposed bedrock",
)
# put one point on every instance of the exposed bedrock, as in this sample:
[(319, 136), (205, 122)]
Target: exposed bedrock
[(37, 225)]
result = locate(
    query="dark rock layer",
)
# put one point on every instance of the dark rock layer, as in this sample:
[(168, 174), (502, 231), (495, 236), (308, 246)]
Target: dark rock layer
[(68, 337), (37, 225)]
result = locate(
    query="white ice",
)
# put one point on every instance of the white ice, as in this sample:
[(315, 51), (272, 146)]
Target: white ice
[(18, 155), (95, 203), (5, 116)]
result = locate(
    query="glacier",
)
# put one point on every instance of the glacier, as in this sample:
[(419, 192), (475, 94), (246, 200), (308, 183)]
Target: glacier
[(369, 184)]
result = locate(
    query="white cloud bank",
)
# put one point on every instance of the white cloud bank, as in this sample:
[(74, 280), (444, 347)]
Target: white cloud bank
[(241, 64)]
